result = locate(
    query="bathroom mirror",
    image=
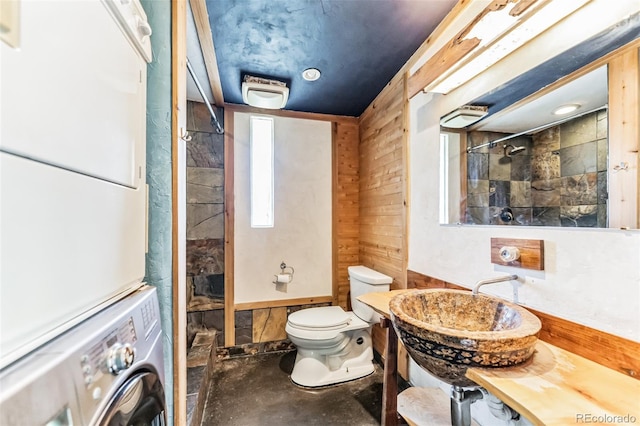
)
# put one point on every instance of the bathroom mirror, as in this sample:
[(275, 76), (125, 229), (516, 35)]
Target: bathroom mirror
[(543, 163)]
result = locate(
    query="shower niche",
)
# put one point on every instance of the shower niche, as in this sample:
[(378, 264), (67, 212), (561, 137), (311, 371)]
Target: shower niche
[(529, 166)]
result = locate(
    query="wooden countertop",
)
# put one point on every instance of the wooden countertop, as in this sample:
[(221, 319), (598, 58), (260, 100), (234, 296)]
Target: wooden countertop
[(555, 387)]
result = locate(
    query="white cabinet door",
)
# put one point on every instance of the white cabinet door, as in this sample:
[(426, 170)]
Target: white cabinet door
[(74, 94)]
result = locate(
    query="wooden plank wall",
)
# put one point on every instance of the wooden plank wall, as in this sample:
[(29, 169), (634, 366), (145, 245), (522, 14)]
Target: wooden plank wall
[(346, 215), (383, 157)]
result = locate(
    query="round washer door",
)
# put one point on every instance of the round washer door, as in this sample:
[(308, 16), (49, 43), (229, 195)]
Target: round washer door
[(140, 401)]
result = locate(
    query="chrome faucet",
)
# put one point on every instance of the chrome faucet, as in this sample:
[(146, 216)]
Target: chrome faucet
[(492, 281)]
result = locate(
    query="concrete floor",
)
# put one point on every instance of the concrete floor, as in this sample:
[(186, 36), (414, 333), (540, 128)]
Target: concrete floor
[(257, 391)]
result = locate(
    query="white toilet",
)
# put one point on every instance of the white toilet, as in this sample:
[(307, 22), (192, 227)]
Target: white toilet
[(333, 345)]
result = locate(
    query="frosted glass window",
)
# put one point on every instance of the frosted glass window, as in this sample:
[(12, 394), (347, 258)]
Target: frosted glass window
[(261, 152), (444, 178)]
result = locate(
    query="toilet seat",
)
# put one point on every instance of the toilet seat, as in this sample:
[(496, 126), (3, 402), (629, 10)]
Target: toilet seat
[(323, 318)]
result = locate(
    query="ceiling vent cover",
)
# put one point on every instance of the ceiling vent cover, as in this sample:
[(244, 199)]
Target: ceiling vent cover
[(264, 93), (464, 116)]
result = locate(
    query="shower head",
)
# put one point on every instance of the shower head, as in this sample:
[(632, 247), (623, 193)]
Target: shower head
[(510, 150)]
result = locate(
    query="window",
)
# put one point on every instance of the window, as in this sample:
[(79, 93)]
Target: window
[(444, 178), (261, 153)]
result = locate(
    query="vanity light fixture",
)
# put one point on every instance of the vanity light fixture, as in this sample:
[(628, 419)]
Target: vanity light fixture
[(311, 74), (500, 32), (565, 109)]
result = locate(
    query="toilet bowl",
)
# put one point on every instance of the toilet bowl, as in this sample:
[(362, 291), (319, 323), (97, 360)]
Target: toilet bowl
[(335, 346)]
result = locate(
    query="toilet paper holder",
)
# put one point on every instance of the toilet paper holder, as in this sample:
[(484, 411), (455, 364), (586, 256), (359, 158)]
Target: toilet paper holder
[(284, 276)]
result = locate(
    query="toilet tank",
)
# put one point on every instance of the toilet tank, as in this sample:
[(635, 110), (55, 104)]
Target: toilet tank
[(364, 280)]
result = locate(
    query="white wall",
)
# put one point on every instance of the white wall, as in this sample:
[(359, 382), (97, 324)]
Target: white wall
[(301, 235), (591, 276)]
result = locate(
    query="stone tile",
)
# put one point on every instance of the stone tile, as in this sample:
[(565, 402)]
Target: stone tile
[(205, 221), (520, 194), (545, 166), (211, 286), (603, 192), (602, 124), (546, 216), (269, 324), (579, 216), (198, 356), (220, 339), (214, 319), (499, 169), (579, 190), (199, 118), (205, 186), (522, 216), (578, 131), (579, 159), (244, 335), (243, 319), (499, 193), (547, 140), (603, 221), (205, 257), (477, 215), (205, 150), (521, 167), (192, 402), (477, 166), (545, 193), (478, 193), (278, 346), (603, 154), (195, 376)]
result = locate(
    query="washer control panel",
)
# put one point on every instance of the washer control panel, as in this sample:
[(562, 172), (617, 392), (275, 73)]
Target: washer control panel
[(110, 355)]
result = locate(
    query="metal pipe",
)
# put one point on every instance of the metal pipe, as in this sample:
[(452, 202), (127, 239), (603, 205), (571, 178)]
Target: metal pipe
[(535, 129), (214, 120), (492, 281), (461, 401)]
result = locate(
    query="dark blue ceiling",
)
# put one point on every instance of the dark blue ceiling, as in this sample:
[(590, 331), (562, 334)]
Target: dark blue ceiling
[(358, 45)]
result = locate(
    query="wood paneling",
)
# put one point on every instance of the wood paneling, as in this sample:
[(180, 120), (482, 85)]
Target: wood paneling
[(229, 224), (531, 252), (281, 303), (383, 183), (606, 349), (178, 207), (624, 139), (346, 215)]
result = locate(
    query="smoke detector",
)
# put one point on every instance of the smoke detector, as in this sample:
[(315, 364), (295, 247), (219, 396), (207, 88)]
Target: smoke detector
[(264, 93), (464, 116)]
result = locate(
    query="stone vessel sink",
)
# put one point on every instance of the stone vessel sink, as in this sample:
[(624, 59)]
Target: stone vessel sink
[(448, 331)]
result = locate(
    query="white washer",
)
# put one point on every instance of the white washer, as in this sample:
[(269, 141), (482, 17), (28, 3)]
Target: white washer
[(107, 370)]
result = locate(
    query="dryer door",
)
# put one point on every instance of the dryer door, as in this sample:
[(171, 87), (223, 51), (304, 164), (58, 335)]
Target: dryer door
[(140, 401)]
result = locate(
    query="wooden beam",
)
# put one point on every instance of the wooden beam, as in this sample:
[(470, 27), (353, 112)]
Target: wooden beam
[(290, 114), (280, 303), (229, 223), (178, 207), (203, 28)]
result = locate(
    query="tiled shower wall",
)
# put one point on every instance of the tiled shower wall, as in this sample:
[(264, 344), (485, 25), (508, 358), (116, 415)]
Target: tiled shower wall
[(559, 180), (205, 223), (256, 330)]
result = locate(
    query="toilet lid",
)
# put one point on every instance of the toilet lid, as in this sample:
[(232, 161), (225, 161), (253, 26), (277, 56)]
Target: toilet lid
[(324, 317)]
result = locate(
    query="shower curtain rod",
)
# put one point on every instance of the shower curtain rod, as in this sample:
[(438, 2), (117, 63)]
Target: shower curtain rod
[(214, 120), (535, 129)]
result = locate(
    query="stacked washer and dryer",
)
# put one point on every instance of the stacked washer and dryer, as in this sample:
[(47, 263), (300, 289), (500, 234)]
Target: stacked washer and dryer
[(80, 333)]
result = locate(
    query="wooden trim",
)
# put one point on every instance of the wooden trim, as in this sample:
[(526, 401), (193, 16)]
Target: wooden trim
[(229, 223), (606, 349), (406, 123), (437, 33), (531, 253), (390, 379), (280, 303), (178, 207), (290, 114), (438, 64), (335, 285), (203, 28)]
